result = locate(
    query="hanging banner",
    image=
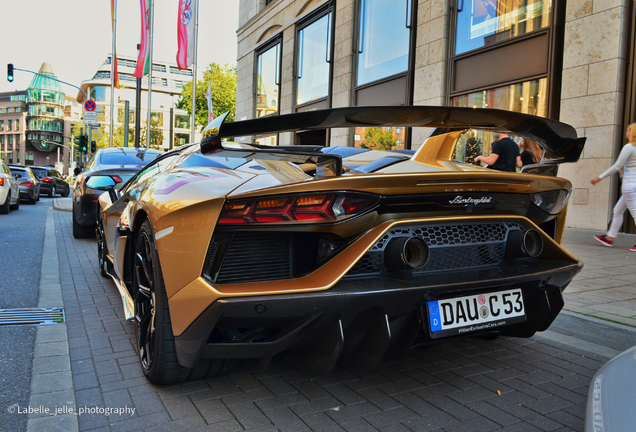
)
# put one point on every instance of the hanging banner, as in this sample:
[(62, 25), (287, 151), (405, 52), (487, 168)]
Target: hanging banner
[(186, 33), (143, 61)]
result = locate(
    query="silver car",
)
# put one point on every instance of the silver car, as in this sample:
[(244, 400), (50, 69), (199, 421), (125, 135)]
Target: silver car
[(28, 183), (612, 395)]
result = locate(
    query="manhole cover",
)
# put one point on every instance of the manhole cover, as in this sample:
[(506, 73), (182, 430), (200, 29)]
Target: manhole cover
[(32, 316)]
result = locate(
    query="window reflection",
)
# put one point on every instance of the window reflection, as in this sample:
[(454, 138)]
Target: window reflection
[(267, 80), (477, 142), (528, 97), (383, 48), (270, 140), (314, 55), (484, 22)]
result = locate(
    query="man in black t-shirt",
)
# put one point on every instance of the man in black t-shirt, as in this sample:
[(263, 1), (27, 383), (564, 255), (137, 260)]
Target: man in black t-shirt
[(504, 155)]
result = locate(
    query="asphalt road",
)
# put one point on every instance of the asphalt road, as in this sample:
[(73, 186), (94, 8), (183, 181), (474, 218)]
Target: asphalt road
[(21, 245)]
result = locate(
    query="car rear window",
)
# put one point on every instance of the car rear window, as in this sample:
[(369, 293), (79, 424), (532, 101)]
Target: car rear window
[(23, 173), (127, 159), (39, 172)]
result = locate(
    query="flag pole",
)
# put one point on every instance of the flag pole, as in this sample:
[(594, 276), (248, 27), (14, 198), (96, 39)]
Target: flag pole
[(152, 30), (113, 63), (194, 71)]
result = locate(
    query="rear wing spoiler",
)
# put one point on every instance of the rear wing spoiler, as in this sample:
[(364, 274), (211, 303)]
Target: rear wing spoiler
[(559, 140)]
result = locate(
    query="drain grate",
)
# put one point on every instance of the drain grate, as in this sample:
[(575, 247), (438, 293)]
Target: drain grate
[(31, 316)]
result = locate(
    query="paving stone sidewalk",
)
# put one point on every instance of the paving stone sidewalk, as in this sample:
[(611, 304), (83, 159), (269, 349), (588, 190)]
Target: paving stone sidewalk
[(537, 384)]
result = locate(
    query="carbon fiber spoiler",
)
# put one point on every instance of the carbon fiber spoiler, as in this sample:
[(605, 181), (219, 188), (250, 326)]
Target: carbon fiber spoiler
[(559, 140)]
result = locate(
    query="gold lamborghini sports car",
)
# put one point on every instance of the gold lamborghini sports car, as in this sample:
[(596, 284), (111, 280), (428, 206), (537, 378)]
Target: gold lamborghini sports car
[(227, 251)]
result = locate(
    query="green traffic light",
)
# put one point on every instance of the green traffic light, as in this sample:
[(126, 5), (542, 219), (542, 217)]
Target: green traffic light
[(10, 72)]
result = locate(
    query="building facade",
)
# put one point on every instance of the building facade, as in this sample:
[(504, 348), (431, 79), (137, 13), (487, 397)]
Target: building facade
[(12, 127), (167, 82), (566, 61)]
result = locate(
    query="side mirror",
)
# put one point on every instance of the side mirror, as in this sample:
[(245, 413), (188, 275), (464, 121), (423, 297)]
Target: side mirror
[(101, 182)]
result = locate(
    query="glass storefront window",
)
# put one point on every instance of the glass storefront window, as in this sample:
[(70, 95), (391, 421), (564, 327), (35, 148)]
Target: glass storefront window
[(484, 22), (181, 139), (158, 117), (182, 122), (527, 97), (121, 115), (314, 56), (98, 93), (383, 47), (267, 81)]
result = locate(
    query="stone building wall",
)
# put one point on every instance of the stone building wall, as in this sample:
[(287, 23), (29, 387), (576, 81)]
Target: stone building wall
[(593, 86)]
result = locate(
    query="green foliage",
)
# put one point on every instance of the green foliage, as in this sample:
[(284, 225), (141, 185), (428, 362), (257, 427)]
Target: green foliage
[(223, 92), (156, 134), (378, 139)]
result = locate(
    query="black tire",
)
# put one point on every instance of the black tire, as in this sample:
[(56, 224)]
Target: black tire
[(32, 199), (38, 197), (155, 340), (101, 246), (4, 208), (82, 232), (52, 192), (16, 206), (67, 193)]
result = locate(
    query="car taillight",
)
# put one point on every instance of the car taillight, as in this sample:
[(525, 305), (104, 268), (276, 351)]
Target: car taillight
[(27, 183), (46, 179), (1, 181), (327, 207)]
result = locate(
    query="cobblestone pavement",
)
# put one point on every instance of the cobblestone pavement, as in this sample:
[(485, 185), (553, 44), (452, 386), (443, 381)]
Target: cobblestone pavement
[(536, 384)]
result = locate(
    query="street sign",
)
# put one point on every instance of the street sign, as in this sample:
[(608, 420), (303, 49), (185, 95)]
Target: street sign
[(90, 117), (96, 135), (90, 105)]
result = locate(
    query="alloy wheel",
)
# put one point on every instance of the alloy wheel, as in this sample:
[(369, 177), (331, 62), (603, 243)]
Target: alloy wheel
[(145, 300), (101, 245)]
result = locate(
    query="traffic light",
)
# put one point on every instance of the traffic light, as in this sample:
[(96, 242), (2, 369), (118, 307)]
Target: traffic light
[(83, 143), (93, 146), (10, 72)]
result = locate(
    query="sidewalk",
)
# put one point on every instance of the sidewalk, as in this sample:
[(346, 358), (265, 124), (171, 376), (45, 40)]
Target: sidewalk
[(605, 289)]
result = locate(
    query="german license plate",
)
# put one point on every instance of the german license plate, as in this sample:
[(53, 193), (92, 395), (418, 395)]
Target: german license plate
[(480, 312)]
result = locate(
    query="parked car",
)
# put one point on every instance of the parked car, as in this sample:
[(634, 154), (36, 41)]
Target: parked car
[(28, 182), (51, 181), (9, 190), (223, 251), (121, 163), (611, 396)]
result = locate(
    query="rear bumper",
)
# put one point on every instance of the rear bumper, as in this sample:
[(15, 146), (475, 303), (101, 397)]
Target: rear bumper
[(362, 317)]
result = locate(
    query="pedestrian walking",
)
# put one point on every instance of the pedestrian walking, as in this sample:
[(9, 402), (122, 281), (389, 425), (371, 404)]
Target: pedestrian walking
[(627, 161)]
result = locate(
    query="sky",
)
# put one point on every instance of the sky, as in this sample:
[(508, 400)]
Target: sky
[(74, 36)]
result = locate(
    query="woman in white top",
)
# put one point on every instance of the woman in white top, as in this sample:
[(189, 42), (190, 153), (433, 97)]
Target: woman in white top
[(626, 159)]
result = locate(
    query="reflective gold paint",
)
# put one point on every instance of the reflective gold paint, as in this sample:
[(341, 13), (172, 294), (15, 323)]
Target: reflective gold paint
[(194, 298), (438, 149)]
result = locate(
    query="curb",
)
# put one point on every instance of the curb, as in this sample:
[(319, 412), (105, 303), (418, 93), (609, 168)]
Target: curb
[(51, 378)]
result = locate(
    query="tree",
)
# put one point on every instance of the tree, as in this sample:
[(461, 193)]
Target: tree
[(378, 139), (223, 90), (473, 147), (156, 134)]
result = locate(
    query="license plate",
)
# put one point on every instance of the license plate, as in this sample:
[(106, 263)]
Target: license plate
[(475, 313)]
